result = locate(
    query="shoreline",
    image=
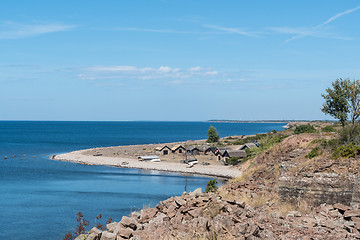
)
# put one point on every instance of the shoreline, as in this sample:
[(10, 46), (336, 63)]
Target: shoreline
[(211, 170)]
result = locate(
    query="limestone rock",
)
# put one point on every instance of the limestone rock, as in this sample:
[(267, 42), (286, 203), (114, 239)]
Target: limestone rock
[(147, 214), (108, 236), (128, 223), (81, 237), (342, 208), (196, 192), (94, 234), (136, 237), (160, 218), (125, 233), (113, 227), (352, 213)]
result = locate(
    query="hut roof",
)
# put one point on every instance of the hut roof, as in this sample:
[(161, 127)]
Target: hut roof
[(222, 152), (203, 148), (247, 145), (161, 148), (236, 153), (192, 148), (176, 147)]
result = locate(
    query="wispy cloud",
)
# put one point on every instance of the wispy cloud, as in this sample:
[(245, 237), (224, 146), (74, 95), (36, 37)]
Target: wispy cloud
[(12, 30), (303, 32), (314, 31), (215, 30), (338, 15), (154, 30), (232, 30), (133, 72)]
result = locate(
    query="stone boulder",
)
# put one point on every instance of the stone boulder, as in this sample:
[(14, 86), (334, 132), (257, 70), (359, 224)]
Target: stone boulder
[(108, 236)]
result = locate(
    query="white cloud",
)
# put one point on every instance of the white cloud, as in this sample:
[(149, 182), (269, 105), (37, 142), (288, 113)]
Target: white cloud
[(211, 73), (12, 30), (195, 69)]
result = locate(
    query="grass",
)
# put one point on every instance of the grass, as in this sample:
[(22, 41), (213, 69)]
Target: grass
[(265, 143), (314, 153), (298, 205), (246, 175), (328, 129)]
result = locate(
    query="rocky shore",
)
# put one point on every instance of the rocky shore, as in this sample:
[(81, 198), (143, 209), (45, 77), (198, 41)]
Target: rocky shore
[(199, 215)]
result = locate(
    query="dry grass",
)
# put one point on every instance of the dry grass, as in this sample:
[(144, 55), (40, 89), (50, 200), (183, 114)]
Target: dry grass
[(299, 205), (250, 171), (256, 201)]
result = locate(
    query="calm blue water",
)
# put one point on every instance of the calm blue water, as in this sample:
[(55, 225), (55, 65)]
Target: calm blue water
[(41, 196)]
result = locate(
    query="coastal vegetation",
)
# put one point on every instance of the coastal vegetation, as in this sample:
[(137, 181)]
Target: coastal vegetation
[(304, 129), (211, 186), (83, 224)]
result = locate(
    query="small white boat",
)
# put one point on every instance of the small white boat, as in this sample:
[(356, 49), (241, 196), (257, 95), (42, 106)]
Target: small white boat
[(155, 160)]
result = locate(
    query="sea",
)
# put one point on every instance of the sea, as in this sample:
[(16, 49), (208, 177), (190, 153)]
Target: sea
[(39, 197)]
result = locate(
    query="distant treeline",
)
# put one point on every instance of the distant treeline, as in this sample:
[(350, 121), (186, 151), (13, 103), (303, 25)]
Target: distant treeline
[(266, 121)]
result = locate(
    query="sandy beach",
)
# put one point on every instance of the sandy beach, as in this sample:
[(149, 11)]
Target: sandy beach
[(82, 157)]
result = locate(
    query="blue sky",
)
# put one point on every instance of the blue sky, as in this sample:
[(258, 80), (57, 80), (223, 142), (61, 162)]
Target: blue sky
[(174, 60)]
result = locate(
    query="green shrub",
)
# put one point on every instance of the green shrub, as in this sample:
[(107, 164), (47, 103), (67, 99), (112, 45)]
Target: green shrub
[(313, 153), (328, 129), (350, 134), (316, 141), (211, 186), (233, 160), (257, 137), (346, 151), (304, 129)]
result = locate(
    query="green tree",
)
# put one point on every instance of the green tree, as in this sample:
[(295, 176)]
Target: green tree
[(353, 97), (336, 101), (213, 136)]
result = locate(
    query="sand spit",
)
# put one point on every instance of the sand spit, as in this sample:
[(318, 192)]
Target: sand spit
[(123, 162)]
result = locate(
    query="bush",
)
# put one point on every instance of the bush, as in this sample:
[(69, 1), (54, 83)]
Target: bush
[(304, 129), (211, 186), (328, 129), (346, 151), (233, 160), (333, 143), (350, 134), (257, 137), (313, 153)]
